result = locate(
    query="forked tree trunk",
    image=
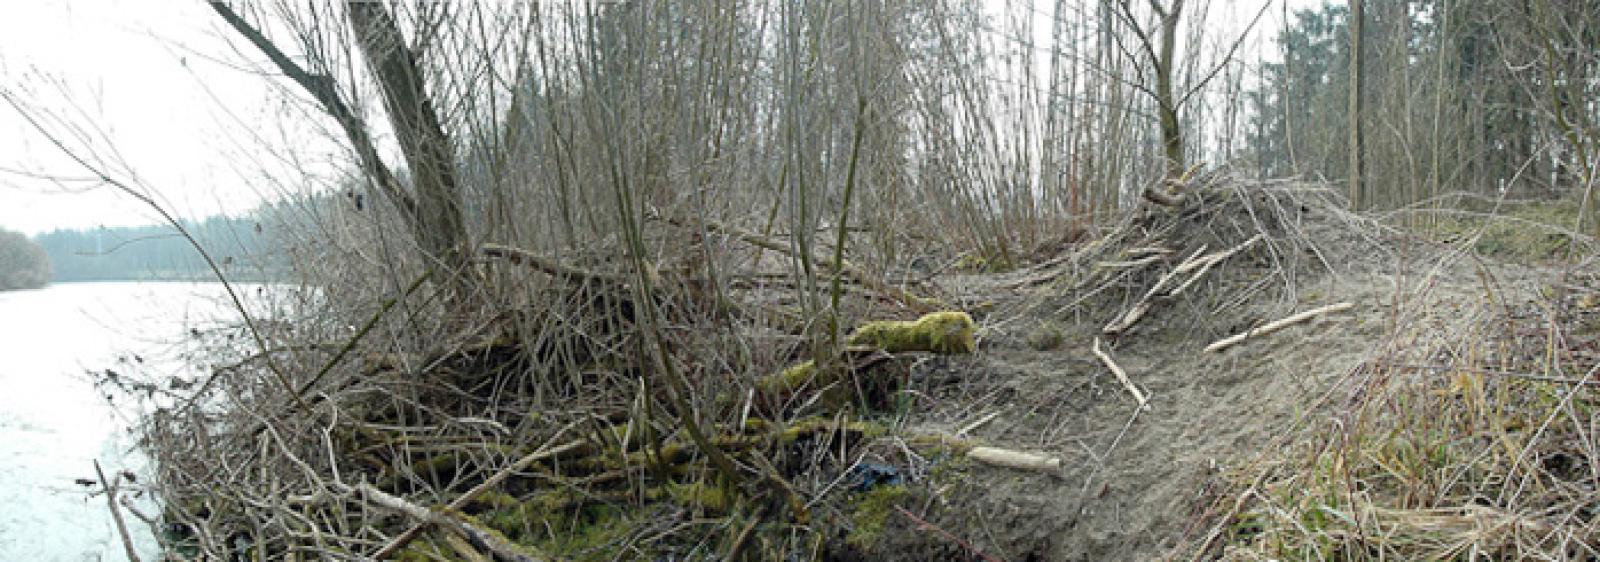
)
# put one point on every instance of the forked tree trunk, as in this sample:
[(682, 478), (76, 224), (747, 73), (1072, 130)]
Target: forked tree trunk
[(432, 207), (438, 228)]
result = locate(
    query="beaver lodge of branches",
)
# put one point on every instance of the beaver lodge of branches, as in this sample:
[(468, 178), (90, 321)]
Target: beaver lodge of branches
[(1233, 369)]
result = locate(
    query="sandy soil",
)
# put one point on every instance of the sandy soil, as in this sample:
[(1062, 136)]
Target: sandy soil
[(1145, 486)]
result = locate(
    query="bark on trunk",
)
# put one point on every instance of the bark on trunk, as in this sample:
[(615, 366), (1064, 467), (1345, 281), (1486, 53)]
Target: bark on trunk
[(439, 228)]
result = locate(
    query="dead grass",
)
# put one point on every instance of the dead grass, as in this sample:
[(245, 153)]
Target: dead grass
[(1525, 231), (1469, 436)]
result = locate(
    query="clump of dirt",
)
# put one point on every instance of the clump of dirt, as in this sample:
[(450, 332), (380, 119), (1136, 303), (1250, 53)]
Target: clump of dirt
[(1138, 483)]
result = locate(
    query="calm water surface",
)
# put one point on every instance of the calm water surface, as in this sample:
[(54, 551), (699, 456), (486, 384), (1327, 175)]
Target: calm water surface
[(53, 421)]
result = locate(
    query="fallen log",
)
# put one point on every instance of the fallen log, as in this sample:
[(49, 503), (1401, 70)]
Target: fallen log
[(948, 332), (999, 457)]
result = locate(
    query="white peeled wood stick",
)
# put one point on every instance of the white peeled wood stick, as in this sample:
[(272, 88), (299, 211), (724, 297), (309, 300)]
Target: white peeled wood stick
[(974, 425), (1147, 260), (1020, 460), (1126, 320), (1194, 261), (1213, 258), (1149, 250), (479, 537), (1196, 277), (1208, 262), (1240, 248), (1276, 325), (1121, 375)]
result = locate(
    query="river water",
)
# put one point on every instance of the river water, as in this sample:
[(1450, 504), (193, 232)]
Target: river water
[(53, 421)]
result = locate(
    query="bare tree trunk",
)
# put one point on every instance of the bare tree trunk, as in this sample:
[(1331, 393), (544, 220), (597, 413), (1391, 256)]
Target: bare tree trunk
[(432, 208), (439, 228), (1357, 194), (1166, 100)]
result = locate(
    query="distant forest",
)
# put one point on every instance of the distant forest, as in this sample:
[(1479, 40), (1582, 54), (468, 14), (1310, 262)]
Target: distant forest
[(241, 247)]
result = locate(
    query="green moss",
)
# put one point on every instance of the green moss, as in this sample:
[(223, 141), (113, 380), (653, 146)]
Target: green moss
[(938, 332), (423, 549), (709, 497), (492, 500), (562, 524), (792, 378), (940, 445), (599, 532), (812, 426), (871, 514), (951, 467)]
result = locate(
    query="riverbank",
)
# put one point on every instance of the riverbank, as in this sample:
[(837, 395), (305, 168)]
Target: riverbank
[(1161, 389), (55, 420)]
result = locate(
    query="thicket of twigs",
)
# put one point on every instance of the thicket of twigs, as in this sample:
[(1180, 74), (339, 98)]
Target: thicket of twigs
[(607, 307)]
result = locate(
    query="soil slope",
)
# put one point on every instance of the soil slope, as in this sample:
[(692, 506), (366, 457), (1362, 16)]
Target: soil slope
[(1139, 484)]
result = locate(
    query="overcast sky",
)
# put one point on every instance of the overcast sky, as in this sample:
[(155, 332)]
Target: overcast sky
[(156, 85), (156, 79)]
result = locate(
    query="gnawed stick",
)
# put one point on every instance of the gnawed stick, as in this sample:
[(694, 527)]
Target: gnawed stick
[(1020, 460), (1122, 376), (480, 539), (1196, 263), (1208, 262), (116, 515), (993, 456), (399, 541), (1214, 257), (1276, 325), (1138, 310), (1141, 262)]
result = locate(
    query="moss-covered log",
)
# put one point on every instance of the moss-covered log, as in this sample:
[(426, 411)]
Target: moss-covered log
[(948, 332), (939, 332)]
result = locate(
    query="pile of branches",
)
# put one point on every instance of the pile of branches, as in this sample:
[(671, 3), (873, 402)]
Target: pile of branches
[(583, 410), (1205, 245)]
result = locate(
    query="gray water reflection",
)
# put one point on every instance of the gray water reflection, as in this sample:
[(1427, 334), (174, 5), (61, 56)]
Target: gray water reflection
[(54, 422)]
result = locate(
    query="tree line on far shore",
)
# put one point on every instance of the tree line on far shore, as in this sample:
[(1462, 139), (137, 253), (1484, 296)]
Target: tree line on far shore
[(239, 245), (23, 263)]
